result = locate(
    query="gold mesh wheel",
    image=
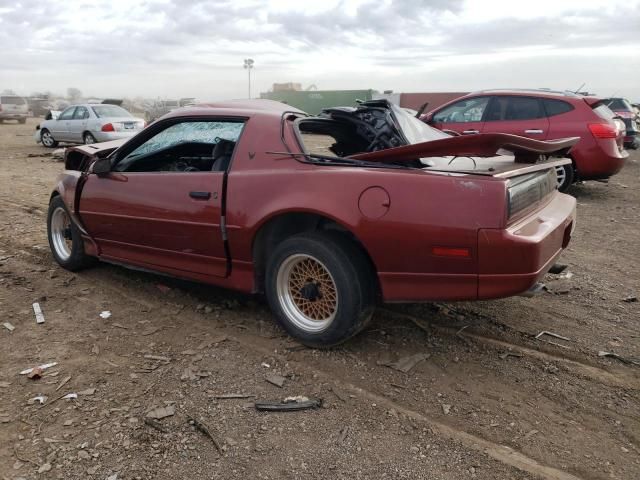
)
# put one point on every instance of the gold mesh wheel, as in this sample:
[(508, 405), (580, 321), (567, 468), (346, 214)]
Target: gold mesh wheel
[(307, 292)]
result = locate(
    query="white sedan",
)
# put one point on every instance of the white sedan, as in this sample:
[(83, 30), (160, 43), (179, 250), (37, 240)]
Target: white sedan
[(88, 123)]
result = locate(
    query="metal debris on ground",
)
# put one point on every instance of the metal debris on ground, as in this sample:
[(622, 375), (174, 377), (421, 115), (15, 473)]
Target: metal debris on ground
[(289, 404), (555, 335), (228, 396), (105, 314), (406, 364), (40, 398), (8, 326), (630, 299), (276, 380), (162, 412), (628, 361), (202, 427), (38, 311), (44, 366), (510, 354)]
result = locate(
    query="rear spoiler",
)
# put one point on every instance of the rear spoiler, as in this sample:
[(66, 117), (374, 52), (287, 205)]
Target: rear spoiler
[(525, 150)]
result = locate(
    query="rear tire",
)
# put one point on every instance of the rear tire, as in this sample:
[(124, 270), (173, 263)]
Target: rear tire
[(47, 139), (65, 240), (321, 288), (565, 175), (88, 138)]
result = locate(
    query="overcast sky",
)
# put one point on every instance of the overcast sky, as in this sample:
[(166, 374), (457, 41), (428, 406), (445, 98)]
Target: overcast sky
[(184, 48)]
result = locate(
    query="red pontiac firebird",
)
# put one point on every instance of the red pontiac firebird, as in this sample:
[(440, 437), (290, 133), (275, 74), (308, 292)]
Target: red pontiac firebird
[(326, 215)]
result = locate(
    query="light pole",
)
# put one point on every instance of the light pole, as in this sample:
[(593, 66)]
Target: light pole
[(248, 65)]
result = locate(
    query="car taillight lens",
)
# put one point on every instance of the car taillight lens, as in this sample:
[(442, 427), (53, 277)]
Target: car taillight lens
[(108, 127), (529, 189), (603, 130)]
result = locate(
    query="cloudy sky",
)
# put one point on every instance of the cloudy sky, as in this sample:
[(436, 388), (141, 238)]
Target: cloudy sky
[(180, 48)]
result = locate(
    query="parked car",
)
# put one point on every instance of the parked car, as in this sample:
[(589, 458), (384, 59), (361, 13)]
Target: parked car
[(13, 107), (88, 123), (626, 111), (235, 194), (544, 115)]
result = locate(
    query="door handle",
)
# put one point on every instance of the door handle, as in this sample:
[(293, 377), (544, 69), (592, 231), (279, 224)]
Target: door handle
[(200, 195), (534, 130), (469, 132)]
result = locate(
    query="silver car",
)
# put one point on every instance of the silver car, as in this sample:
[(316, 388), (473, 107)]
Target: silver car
[(89, 123), (13, 107)]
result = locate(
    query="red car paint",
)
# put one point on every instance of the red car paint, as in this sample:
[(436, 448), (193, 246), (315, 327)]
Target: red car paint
[(593, 158), (412, 223)]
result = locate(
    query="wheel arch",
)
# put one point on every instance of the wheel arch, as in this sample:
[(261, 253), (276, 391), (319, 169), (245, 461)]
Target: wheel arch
[(286, 224)]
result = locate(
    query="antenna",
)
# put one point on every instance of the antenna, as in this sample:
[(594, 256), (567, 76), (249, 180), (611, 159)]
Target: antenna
[(580, 87)]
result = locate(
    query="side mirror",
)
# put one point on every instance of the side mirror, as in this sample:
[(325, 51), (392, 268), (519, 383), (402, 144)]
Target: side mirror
[(101, 166)]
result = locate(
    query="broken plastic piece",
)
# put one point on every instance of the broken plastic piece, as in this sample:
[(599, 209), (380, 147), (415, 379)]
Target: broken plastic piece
[(39, 398), (289, 404), (41, 367), (71, 396), (38, 311), (8, 326), (105, 314)]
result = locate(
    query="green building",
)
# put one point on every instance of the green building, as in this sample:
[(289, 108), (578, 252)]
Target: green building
[(313, 101)]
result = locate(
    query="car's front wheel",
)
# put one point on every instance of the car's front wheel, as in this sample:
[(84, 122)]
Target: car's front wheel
[(321, 288), (65, 239), (47, 139), (564, 175)]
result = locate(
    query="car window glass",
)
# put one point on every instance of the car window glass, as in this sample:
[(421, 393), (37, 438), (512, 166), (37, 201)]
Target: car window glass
[(110, 111), (556, 107), (67, 114), (186, 139), (81, 113), (523, 108), (464, 111)]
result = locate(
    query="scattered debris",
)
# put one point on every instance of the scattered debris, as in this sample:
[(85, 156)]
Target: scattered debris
[(406, 364), (39, 398), (35, 374), (202, 427), (228, 396), (566, 275), (88, 391), (156, 424), (630, 299), (289, 404), (555, 335), (38, 311), (160, 358), (105, 314), (8, 326), (558, 268), (63, 382), (70, 396), (162, 412), (265, 365), (119, 325), (41, 367), (505, 355), (446, 408), (276, 380), (628, 361)]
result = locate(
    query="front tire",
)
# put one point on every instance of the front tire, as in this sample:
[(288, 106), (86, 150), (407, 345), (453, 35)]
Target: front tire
[(64, 237), (321, 288), (565, 176), (47, 139)]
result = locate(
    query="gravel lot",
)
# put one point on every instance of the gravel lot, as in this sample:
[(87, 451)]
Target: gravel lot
[(489, 402)]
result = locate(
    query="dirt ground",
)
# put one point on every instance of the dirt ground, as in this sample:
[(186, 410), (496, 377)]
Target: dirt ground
[(489, 402)]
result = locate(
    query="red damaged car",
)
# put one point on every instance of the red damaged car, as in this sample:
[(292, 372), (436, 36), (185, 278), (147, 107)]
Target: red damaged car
[(326, 215)]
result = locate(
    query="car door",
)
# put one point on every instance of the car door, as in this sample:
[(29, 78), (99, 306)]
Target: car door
[(517, 115), (59, 126), (78, 124), (152, 210), (463, 117)]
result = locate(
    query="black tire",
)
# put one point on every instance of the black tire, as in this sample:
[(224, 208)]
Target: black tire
[(88, 138), (350, 276), (76, 258), (47, 139), (567, 180)]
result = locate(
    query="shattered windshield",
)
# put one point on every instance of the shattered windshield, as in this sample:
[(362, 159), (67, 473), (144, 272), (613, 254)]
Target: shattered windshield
[(414, 129)]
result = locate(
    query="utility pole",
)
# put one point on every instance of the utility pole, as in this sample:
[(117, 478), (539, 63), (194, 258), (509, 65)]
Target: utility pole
[(248, 65)]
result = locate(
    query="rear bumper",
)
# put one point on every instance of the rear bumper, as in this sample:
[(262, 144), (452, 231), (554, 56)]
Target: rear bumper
[(512, 260), (13, 116), (600, 165), (108, 136)]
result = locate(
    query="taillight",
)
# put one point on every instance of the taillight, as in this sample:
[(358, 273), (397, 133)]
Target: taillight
[(108, 127), (603, 130)]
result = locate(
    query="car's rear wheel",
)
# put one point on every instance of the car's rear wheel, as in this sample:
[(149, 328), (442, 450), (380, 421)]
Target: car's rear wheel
[(65, 239), (564, 174), (88, 138), (321, 288), (47, 139)]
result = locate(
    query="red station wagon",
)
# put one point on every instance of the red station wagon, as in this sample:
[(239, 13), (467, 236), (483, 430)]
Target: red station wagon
[(543, 115), (326, 215)]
